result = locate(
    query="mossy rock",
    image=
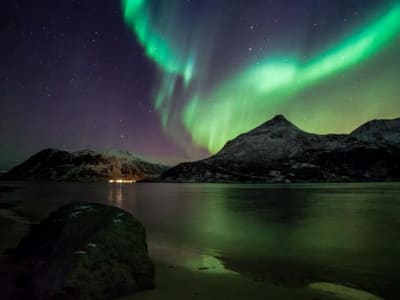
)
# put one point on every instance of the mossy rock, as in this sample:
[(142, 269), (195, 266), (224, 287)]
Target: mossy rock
[(85, 250)]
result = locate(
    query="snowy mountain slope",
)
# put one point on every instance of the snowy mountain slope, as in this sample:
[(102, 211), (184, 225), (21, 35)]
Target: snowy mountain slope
[(278, 151), (379, 132), (85, 165)]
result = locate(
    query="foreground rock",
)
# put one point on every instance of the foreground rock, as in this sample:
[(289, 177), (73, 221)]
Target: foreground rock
[(85, 251), (279, 151), (87, 165)]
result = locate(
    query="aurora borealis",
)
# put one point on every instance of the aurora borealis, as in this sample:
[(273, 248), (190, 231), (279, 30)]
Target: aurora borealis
[(174, 80), (252, 92), (251, 95)]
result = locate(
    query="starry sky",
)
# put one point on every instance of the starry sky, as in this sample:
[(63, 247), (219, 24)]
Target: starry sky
[(173, 80)]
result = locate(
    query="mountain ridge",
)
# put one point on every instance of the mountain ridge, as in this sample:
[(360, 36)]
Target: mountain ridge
[(279, 151), (83, 165)]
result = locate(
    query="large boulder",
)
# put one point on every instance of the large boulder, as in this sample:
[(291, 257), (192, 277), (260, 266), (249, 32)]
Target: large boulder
[(85, 250)]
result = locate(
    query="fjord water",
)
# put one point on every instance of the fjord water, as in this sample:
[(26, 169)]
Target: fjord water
[(288, 234)]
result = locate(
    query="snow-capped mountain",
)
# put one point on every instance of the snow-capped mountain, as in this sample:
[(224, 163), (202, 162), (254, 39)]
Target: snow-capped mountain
[(84, 165), (278, 151), (379, 131), (276, 139)]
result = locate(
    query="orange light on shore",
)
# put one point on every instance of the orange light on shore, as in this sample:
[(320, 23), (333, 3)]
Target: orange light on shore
[(122, 181)]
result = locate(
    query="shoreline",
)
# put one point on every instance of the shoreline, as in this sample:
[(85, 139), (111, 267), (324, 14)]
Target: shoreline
[(202, 277), (175, 282), (245, 182)]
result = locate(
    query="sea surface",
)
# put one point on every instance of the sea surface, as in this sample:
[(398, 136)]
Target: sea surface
[(290, 234)]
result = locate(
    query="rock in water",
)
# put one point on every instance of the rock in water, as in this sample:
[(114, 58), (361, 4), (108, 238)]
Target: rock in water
[(85, 250)]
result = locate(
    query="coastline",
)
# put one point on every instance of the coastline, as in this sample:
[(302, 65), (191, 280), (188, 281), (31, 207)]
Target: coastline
[(176, 277), (173, 282), (180, 283)]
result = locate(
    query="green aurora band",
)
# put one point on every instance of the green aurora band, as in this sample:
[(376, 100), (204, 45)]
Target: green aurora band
[(137, 16), (242, 101), (172, 63)]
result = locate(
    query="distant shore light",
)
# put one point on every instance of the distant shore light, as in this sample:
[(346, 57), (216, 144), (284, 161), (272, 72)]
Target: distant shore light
[(122, 181)]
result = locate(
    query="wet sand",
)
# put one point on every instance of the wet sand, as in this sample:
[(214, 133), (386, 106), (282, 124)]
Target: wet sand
[(180, 283)]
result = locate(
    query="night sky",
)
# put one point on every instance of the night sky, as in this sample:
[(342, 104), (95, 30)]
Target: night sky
[(174, 80)]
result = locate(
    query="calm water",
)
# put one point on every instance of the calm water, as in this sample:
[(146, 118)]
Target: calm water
[(288, 234)]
